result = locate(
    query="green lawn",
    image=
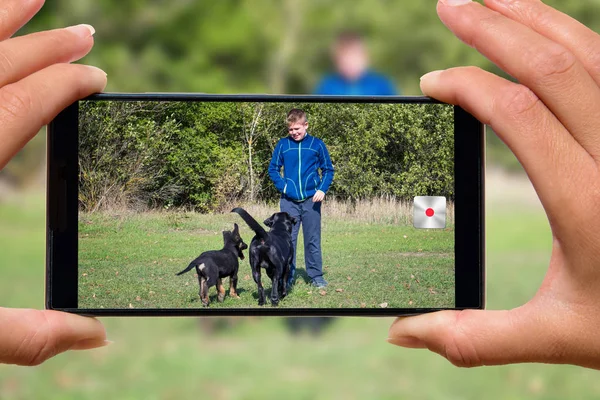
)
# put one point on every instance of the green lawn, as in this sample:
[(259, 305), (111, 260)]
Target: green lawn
[(132, 261), (173, 358)]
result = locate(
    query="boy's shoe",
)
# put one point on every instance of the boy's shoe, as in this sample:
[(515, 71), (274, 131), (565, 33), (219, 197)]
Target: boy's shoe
[(319, 283)]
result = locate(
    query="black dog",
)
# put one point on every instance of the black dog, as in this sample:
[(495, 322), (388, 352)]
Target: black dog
[(272, 251), (212, 266)]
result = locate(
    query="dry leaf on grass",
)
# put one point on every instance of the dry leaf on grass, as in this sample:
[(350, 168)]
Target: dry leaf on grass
[(131, 305), (383, 305), (339, 290), (349, 278), (363, 305), (432, 291), (410, 303), (322, 292), (138, 298)]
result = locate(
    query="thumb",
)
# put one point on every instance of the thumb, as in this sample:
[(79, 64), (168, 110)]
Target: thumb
[(470, 338), (29, 337)]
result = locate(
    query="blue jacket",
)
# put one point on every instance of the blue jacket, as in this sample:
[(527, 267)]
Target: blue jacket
[(369, 84), (301, 162)]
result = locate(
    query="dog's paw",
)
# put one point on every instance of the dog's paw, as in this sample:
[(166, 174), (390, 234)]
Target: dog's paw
[(221, 298)]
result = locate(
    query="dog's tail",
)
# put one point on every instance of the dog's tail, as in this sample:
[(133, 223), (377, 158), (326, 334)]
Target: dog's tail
[(192, 265), (252, 223)]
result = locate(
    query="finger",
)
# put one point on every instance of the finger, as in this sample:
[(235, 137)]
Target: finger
[(580, 40), (549, 69), (29, 337), (27, 105), (24, 55), (15, 13), (472, 338), (554, 161)]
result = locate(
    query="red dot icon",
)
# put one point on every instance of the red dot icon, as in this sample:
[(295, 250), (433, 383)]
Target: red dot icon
[(429, 212)]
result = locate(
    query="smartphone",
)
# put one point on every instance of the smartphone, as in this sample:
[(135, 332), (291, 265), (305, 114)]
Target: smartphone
[(342, 206)]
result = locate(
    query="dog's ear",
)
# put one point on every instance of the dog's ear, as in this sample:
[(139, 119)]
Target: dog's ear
[(269, 221), (236, 228), (226, 235), (293, 220)]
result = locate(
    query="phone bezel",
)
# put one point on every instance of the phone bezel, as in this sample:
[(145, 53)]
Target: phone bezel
[(62, 211)]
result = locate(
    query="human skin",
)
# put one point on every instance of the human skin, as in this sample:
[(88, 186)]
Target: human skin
[(550, 121), (37, 81)]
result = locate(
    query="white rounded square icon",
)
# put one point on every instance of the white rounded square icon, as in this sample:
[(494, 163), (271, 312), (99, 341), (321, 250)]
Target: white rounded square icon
[(429, 212)]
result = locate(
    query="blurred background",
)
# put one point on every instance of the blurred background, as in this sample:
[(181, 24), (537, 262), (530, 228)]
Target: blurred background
[(275, 46)]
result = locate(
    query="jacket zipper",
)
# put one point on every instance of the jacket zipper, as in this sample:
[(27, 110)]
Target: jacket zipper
[(300, 169)]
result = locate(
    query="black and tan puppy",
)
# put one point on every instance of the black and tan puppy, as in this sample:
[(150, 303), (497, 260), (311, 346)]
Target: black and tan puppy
[(272, 251), (212, 266)]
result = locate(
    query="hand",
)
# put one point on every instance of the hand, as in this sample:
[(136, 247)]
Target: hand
[(551, 121), (30, 337), (36, 83), (36, 79), (318, 196)]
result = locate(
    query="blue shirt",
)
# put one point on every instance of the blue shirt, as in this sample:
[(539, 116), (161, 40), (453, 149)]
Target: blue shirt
[(301, 162), (368, 84)]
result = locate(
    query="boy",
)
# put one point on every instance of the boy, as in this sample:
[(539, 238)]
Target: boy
[(353, 76), (303, 189)]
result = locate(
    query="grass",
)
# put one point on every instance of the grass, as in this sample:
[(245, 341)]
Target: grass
[(130, 261), (173, 358)]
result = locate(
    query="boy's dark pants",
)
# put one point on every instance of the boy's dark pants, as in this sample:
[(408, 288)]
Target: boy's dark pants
[(308, 214)]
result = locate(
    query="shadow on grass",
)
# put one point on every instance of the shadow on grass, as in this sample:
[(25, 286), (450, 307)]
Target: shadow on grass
[(213, 297)]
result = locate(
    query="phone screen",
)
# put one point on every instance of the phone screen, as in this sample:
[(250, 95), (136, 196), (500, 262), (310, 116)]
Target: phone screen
[(337, 204)]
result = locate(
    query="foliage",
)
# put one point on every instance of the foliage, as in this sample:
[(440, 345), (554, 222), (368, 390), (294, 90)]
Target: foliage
[(263, 46), (259, 46), (207, 155)]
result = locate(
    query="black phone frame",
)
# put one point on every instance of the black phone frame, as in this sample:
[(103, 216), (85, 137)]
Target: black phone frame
[(62, 211)]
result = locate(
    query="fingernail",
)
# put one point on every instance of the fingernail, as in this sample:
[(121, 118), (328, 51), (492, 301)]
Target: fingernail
[(431, 75), (407, 341), (96, 69), (456, 2), (83, 30), (88, 344)]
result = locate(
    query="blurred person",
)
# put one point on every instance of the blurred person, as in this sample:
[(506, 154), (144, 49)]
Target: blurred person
[(353, 75), (302, 156), (550, 120)]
